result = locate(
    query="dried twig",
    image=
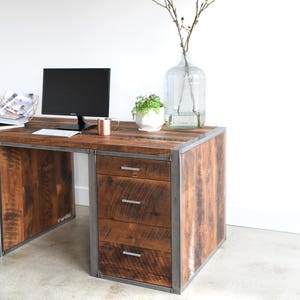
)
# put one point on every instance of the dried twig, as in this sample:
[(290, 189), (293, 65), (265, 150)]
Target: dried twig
[(170, 7), (185, 41)]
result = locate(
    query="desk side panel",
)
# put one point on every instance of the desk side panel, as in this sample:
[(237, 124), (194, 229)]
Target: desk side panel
[(36, 192), (203, 204), (11, 197)]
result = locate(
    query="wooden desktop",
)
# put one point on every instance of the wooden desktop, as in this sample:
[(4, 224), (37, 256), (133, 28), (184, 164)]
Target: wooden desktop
[(157, 200)]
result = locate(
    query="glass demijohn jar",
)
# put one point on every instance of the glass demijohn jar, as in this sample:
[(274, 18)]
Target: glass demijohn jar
[(185, 107)]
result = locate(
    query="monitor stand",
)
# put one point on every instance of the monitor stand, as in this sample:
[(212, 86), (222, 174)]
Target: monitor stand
[(80, 126)]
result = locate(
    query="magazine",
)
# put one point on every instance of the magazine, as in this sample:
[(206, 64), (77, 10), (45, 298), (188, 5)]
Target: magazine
[(6, 126), (16, 109)]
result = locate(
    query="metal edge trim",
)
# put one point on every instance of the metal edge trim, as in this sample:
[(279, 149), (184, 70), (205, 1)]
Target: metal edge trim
[(136, 283), (38, 235), (203, 265), (176, 215), (134, 155), (73, 183), (93, 214), (42, 147), (1, 240), (201, 139)]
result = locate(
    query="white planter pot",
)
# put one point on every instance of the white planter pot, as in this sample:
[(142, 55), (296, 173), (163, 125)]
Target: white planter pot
[(151, 121)]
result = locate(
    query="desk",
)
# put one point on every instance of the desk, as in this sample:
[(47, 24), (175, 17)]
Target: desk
[(157, 200)]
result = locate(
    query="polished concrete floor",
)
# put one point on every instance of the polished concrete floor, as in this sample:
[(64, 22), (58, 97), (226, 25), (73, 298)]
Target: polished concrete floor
[(251, 264)]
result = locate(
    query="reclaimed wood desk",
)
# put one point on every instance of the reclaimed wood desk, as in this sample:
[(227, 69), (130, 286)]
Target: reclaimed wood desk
[(157, 200)]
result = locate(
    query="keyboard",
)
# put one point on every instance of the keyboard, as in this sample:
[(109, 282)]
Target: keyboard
[(56, 132)]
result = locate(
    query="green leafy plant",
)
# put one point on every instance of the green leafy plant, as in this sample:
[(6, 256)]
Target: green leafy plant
[(145, 103)]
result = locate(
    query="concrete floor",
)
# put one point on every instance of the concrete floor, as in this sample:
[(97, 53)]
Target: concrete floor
[(251, 264)]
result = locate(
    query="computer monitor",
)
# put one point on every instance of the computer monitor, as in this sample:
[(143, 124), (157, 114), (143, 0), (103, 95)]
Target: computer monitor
[(76, 92)]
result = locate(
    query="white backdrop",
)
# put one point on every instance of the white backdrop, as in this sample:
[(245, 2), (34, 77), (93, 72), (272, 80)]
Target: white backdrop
[(249, 51)]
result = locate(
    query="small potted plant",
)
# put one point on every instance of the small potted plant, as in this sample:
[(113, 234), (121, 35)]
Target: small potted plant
[(148, 113)]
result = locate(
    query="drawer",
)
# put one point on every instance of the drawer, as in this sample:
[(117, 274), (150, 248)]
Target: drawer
[(134, 200), (136, 235), (134, 263), (134, 167)]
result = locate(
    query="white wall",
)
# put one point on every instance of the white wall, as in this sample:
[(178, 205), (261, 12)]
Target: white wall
[(248, 49)]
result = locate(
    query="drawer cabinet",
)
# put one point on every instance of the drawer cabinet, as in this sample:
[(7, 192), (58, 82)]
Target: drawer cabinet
[(160, 218), (134, 216)]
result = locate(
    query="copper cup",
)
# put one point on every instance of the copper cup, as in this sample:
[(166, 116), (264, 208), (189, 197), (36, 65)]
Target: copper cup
[(104, 126)]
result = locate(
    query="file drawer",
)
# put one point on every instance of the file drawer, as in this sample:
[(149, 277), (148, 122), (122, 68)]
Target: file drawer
[(136, 235), (135, 263), (134, 167), (134, 200)]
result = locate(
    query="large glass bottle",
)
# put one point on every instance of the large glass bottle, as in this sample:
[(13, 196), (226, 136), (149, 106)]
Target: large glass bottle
[(185, 105)]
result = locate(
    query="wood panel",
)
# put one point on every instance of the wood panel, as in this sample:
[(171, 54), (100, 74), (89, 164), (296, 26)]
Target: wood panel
[(36, 191), (11, 196), (152, 266), (203, 200), (145, 168), (124, 138), (132, 234), (152, 200)]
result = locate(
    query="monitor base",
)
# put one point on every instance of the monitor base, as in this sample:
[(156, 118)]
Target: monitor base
[(76, 127), (80, 126)]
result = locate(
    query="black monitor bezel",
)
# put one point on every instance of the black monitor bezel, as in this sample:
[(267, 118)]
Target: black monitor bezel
[(81, 124)]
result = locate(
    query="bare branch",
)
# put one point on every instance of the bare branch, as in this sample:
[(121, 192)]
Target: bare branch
[(180, 26), (158, 3)]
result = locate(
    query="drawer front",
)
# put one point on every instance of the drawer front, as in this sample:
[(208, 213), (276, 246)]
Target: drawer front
[(134, 200), (133, 167), (136, 235), (134, 263)]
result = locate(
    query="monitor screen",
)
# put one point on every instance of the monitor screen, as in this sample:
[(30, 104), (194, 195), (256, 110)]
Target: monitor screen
[(76, 92)]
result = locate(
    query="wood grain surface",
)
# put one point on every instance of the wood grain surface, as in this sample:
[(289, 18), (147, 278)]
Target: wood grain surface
[(36, 191), (144, 168), (151, 267), (151, 246), (203, 203), (124, 138), (151, 200), (133, 234)]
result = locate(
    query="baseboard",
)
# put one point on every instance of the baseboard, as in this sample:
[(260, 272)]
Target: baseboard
[(286, 221), (81, 195)]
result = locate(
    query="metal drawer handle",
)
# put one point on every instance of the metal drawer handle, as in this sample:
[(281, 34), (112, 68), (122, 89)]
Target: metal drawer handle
[(130, 169), (131, 201), (131, 253)]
